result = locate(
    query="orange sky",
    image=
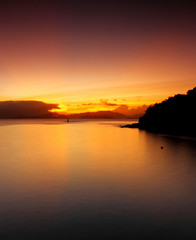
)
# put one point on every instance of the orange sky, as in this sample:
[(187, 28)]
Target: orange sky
[(81, 60)]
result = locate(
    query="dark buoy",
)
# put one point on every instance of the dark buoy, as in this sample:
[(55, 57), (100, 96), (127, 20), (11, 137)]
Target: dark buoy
[(161, 147)]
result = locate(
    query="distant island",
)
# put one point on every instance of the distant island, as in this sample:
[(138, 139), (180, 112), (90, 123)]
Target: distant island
[(37, 109), (176, 115)]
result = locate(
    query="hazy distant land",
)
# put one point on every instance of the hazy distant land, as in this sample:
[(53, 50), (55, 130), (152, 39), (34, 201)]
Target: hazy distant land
[(38, 109), (175, 115)]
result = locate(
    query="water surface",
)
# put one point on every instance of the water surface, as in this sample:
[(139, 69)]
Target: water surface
[(91, 179)]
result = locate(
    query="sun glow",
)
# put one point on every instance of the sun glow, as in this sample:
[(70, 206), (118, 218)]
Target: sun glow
[(112, 58)]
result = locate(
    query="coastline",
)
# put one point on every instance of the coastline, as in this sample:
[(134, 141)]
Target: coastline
[(170, 132), (174, 116)]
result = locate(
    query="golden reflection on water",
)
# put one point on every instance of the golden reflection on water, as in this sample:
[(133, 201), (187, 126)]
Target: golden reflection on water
[(66, 169), (32, 154), (33, 158)]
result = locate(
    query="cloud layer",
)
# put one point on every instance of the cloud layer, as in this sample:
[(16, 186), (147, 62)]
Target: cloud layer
[(19, 109)]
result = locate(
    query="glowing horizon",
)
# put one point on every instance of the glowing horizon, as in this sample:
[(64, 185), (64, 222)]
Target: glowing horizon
[(81, 59)]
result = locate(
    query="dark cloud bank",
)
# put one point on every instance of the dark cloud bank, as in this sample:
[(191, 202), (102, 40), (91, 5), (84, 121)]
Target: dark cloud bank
[(26, 109), (36, 109)]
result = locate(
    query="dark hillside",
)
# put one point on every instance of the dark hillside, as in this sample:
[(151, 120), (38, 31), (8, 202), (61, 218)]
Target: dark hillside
[(176, 115)]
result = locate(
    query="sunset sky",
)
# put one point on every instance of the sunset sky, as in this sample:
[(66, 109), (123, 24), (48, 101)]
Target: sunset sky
[(96, 55)]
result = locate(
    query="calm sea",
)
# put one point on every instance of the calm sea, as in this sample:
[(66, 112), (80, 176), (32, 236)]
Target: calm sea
[(93, 179)]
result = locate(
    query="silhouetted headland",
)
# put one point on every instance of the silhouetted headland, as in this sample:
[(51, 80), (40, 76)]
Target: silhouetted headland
[(176, 116)]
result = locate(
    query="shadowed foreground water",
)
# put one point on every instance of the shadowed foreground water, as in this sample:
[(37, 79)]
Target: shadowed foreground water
[(91, 179)]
